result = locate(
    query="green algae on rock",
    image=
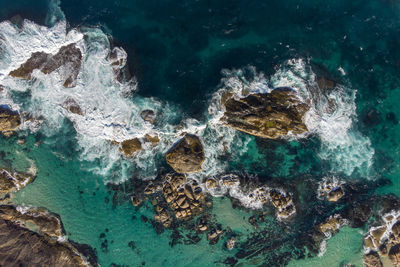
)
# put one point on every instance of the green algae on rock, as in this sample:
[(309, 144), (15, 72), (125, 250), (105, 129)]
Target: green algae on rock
[(267, 115), (186, 155)]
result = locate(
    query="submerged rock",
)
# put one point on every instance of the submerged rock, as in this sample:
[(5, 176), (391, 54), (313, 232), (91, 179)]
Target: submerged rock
[(72, 106), (268, 115), (10, 182), (69, 57), (9, 121), (31, 238), (186, 155), (148, 115), (129, 147)]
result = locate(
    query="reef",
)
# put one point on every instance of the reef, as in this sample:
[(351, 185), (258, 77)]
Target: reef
[(69, 57), (267, 115)]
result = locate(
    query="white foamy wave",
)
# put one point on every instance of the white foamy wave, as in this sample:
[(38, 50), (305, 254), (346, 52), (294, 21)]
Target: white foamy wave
[(331, 115)]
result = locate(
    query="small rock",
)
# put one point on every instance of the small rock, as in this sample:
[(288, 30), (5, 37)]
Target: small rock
[(230, 244), (148, 115)]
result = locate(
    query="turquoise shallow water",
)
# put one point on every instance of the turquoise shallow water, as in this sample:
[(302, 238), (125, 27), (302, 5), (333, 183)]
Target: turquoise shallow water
[(178, 64)]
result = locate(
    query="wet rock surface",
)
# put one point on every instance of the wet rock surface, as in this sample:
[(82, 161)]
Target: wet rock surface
[(331, 189), (282, 202), (131, 146), (186, 155), (372, 260), (72, 106), (13, 181), (148, 115), (9, 121), (20, 246), (69, 57), (269, 115)]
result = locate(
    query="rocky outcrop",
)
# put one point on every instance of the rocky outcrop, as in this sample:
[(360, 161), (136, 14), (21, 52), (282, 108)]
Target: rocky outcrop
[(131, 146), (69, 57), (186, 155), (185, 199), (372, 260), (269, 115), (331, 189), (384, 240), (394, 255), (29, 237), (9, 121), (282, 202), (10, 182)]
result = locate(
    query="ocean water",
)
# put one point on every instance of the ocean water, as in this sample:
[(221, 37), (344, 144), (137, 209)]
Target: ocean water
[(183, 56)]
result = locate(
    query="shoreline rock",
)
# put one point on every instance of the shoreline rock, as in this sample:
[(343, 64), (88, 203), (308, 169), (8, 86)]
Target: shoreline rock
[(11, 182), (31, 236)]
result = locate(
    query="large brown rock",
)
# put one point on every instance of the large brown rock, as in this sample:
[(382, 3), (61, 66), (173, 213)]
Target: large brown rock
[(269, 115), (33, 246), (186, 155), (68, 56), (9, 121), (372, 260), (394, 255), (131, 146), (10, 182)]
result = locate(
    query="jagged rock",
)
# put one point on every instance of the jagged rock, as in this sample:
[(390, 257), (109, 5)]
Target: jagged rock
[(335, 194), (372, 260), (330, 226), (153, 139), (69, 56), (211, 183), (186, 155), (72, 106), (185, 199), (396, 231), (148, 115), (9, 121), (230, 244), (129, 147), (213, 236), (136, 200), (163, 217), (377, 234), (10, 182), (270, 115), (394, 255), (30, 239), (282, 202)]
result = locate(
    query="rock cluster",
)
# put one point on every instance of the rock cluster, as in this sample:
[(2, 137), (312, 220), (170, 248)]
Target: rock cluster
[(69, 57), (372, 260), (332, 189), (282, 202), (186, 155), (384, 240), (10, 182), (30, 238), (268, 115), (184, 198), (9, 121), (331, 225)]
